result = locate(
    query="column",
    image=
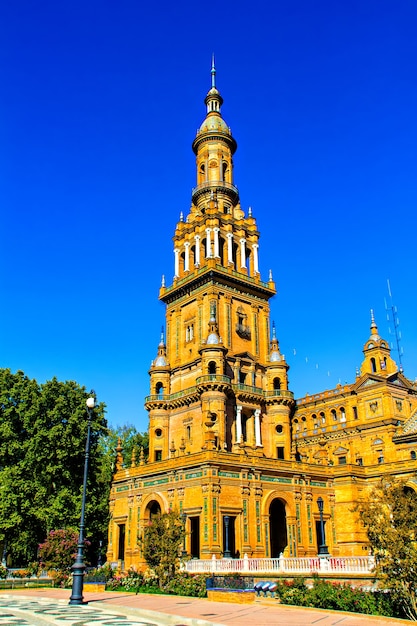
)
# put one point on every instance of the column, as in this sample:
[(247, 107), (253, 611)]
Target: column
[(258, 441), (242, 253), (177, 262), (229, 247), (216, 242), (187, 256), (197, 251), (208, 243), (238, 423), (255, 247)]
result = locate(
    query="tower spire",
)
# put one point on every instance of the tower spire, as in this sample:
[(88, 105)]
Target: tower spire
[(213, 73)]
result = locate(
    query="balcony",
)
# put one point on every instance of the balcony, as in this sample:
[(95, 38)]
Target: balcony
[(217, 186)]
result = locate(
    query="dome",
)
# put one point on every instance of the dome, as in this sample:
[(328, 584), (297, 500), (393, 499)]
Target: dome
[(275, 356), (213, 338), (214, 123), (160, 361)]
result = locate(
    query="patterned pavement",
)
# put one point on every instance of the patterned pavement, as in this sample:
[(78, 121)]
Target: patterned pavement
[(24, 611)]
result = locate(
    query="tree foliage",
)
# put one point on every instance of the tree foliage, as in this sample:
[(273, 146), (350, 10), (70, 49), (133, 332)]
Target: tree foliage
[(58, 552), (43, 430), (390, 518), (162, 542)]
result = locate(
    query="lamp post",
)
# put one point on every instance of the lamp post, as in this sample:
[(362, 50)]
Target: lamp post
[(78, 568), (184, 547), (323, 550), (227, 553)]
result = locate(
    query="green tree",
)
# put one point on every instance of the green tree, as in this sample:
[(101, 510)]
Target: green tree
[(162, 542), (390, 518), (43, 430)]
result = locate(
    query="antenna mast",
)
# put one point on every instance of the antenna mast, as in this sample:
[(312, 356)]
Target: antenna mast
[(392, 316)]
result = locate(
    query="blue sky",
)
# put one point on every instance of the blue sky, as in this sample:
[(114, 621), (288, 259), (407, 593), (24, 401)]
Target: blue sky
[(99, 105)]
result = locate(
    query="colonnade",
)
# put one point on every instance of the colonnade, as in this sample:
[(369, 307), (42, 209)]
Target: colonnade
[(212, 250)]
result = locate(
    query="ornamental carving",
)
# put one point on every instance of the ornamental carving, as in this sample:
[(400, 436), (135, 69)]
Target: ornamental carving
[(171, 493), (180, 491), (258, 492), (139, 498), (216, 489), (245, 490)]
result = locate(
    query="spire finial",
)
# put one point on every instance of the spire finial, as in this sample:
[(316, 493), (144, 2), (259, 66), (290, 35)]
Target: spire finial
[(162, 342), (274, 335), (213, 72)]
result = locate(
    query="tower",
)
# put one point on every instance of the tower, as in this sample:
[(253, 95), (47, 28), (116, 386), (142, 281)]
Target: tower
[(230, 384)]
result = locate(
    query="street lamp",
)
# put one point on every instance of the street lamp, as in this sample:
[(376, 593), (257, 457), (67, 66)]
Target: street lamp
[(227, 554), (78, 568), (322, 547), (184, 547)]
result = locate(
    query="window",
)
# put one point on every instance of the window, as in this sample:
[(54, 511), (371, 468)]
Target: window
[(158, 432), (373, 365), (280, 452), (413, 455), (279, 428), (333, 412), (212, 367), (355, 412), (359, 461), (380, 456), (159, 388), (277, 383), (342, 460), (158, 455), (188, 433), (342, 415)]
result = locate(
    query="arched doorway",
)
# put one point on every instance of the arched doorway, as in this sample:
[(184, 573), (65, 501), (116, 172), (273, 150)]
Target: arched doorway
[(153, 510), (277, 527)]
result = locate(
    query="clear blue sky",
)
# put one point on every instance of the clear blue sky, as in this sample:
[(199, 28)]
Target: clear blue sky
[(99, 104)]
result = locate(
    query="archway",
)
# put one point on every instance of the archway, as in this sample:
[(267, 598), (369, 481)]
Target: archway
[(277, 527)]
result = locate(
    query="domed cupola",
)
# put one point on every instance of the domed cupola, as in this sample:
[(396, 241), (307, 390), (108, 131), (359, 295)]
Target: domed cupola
[(274, 354), (161, 359), (214, 147), (377, 354)]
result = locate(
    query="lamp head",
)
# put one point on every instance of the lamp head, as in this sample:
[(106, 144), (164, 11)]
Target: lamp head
[(91, 402), (320, 503)]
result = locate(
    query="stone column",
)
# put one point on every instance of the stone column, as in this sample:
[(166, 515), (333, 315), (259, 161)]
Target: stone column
[(230, 247), (255, 247), (208, 243), (187, 257), (197, 251), (177, 262), (242, 253), (216, 242), (258, 440), (238, 423)]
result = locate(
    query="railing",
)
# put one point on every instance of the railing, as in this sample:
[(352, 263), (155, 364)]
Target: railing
[(213, 378), (303, 565)]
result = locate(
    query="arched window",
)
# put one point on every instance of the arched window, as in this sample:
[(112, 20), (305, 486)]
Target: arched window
[(277, 383), (342, 415), (373, 365), (159, 389), (322, 418), (212, 367), (413, 455), (188, 433), (333, 412)]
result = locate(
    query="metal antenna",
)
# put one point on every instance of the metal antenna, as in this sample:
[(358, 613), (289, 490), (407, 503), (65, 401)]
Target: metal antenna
[(392, 316)]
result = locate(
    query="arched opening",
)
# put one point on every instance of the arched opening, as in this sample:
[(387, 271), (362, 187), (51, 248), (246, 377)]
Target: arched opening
[(413, 455), (373, 365), (153, 510), (277, 383), (342, 415), (277, 527), (159, 389), (202, 174), (212, 368)]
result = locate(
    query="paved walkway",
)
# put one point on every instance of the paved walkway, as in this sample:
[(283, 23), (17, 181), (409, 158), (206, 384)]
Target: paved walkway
[(43, 607)]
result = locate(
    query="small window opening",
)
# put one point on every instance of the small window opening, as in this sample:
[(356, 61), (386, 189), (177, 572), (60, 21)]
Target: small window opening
[(280, 452), (158, 455), (373, 365)]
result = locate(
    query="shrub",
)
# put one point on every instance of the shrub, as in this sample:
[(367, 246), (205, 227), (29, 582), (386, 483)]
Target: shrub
[(341, 597), (184, 584), (3, 572)]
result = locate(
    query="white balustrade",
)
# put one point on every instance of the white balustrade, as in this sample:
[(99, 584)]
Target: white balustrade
[(303, 565)]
